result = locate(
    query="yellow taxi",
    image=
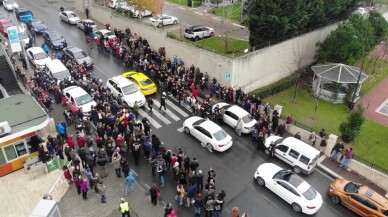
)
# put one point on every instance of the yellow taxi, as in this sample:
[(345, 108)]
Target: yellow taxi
[(146, 85)]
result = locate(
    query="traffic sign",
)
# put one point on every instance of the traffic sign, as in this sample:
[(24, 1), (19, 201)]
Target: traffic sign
[(13, 36), (228, 76)]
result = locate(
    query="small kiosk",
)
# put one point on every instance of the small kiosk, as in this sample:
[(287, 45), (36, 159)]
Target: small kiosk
[(21, 117)]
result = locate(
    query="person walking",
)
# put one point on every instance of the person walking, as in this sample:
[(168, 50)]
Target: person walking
[(124, 208), (102, 189), (84, 189), (130, 183), (150, 103), (239, 126), (163, 99), (348, 156), (87, 13), (154, 194)]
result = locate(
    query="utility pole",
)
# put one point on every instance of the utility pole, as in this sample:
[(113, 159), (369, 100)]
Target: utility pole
[(22, 44)]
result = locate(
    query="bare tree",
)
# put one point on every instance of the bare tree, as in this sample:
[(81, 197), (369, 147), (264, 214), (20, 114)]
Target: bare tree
[(297, 61), (227, 12)]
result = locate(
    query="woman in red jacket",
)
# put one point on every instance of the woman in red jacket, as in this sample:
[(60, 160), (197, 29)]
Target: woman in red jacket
[(67, 174)]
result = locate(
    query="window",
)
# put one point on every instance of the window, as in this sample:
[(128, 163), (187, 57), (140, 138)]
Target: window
[(2, 158), (294, 154), (282, 148), (304, 159), (288, 188), (10, 152), (230, 114), (207, 133), (310, 193), (369, 204), (20, 148)]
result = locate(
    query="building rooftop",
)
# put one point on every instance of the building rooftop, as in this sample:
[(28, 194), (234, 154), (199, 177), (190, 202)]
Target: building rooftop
[(23, 114)]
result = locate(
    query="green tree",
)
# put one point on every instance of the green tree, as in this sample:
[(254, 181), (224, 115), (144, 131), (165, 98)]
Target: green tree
[(379, 24), (351, 127)]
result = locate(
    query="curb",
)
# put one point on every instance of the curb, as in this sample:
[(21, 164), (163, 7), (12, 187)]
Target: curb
[(326, 170)]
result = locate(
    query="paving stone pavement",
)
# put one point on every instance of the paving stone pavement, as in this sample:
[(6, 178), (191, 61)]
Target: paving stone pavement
[(73, 205)]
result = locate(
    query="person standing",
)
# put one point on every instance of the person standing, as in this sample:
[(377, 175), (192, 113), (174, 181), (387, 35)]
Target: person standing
[(135, 109), (124, 208), (116, 163), (239, 126), (312, 138), (348, 156), (154, 194), (67, 174), (209, 207), (161, 171), (33, 34), (168, 209), (289, 122), (198, 204), (163, 101), (130, 183), (87, 13), (323, 144), (150, 103), (84, 189), (336, 151), (102, 189)]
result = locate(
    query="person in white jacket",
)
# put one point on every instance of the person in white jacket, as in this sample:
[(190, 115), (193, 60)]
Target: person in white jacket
[(239, 126)]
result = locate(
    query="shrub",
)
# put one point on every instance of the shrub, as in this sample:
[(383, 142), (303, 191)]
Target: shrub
[(351, 127)]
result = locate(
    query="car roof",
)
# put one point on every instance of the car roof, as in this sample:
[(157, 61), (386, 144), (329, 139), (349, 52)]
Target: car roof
[(210, 126), (139, 76), (121, 80), (35, 50), (376, 197), (88, 20), (103, 31), (67, 12), (301, 146), (237, 110), (73, 49), (75, 91)]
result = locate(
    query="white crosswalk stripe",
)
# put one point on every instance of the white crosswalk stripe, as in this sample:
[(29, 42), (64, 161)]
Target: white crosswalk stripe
[(168, 112), (152, 121), (176, 108), (158, 114)]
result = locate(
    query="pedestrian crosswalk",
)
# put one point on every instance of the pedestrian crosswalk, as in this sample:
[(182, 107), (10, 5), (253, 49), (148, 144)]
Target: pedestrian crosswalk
[(158, 119)]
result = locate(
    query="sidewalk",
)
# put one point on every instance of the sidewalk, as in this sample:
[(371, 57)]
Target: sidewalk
[(332, 168)]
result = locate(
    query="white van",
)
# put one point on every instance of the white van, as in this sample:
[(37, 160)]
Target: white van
[(129, 92), (301, 156), (57, 70)]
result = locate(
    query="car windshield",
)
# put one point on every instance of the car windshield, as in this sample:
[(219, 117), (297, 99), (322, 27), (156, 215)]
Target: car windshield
[(247, 118), (220, 135), (40, 56), (71, 15), (310, 194), (279, 141), (146, 82), (55, 36), (352, 187), (79, 54), (129, 89), (109, 34), (283, 175), (81, 100), (37, 22), (6, 25), (23, 35), (62, 75)]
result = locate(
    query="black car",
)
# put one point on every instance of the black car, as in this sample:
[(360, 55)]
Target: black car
[(54, 40), (37, 25), (78, 55)]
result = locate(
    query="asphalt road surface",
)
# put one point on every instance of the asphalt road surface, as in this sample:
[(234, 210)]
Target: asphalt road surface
[(234, 168)]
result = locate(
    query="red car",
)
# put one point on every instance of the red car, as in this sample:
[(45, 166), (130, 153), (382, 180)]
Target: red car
[(4, 25)]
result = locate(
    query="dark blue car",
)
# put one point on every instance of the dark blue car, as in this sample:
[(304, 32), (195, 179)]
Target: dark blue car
[(24, 14), (54, 40), (37, 25)]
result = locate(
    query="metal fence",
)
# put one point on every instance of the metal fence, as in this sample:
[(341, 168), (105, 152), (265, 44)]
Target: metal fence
[(371, 164)]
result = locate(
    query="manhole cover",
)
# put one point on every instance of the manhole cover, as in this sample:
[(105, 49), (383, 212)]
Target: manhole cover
[(383, 108)]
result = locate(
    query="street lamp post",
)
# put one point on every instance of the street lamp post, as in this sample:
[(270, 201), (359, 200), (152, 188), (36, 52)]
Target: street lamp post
[(22, 44)]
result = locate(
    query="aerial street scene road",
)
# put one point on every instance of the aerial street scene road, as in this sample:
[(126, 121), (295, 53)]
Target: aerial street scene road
[(214, 108)]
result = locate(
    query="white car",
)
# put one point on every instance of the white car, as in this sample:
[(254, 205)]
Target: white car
[(80, 97), (81, 24), (211, 136), (69, 17), (37, 57), (105, 34), (233, 113), (140, 13), (23, 36), (9, 5), (198, 32), (163, 20), (290, 187), (362, 11), (121, 86)]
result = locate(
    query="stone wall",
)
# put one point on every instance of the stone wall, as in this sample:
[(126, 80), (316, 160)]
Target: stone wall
[(373, 175), (251, 71)]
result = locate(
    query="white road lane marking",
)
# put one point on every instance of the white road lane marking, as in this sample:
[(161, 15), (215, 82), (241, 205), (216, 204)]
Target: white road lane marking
[(169, 113), (198, 13), (176, 108), (96, 67), (134, 172), (181, 129), (152, 121), (270, 201)]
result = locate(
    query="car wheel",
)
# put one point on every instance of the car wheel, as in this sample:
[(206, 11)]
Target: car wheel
[(209, 147), (211, 34), (297, 170), (196, 38), (335, 199), (175, 22), (296, 207), (266, 151), (187, 130), (139, 16), (260, 181)]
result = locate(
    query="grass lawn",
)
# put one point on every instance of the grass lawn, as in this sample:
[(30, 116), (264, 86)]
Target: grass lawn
[(231, 12), (370, 144), (217, 45), (184, 2), (380, 72)]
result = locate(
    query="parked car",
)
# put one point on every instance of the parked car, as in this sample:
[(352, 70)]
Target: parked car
[(69, 17), (198, 32), (37, 57), (290, 187), (163, 20), (106, 34), (80, 97), (38, 26), (233, 113), (359, 198), (23, 14), (145, 84), (79, 55), (4, 25), (301, 156), (128, 91), (54, 40), (81, 24), (211, 136), (9, 5), (138, 13)]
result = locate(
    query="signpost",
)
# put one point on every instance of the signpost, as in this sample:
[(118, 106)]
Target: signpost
[(228, 76), (13, 35)]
